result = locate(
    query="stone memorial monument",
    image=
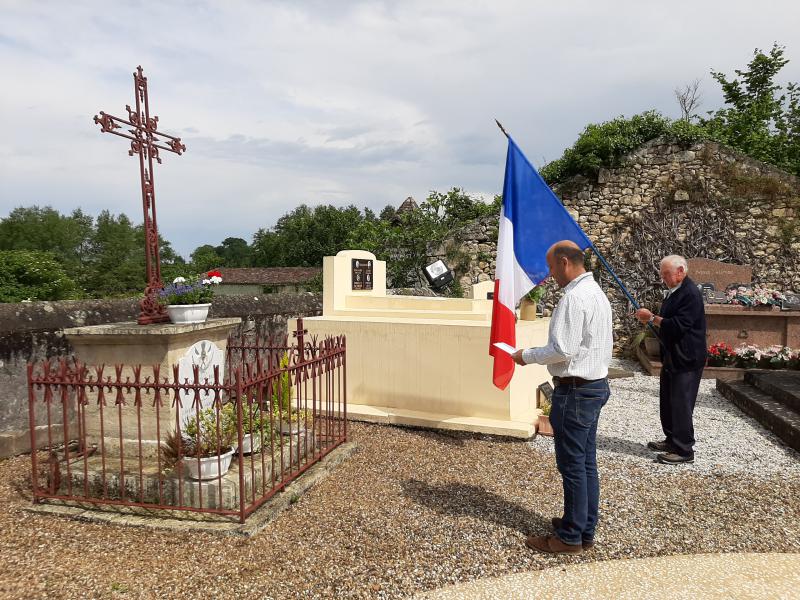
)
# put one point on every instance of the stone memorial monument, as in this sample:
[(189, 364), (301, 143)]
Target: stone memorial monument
[(423, 361)]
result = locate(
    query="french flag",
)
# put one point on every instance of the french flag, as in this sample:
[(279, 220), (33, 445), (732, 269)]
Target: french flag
[(531, 220)]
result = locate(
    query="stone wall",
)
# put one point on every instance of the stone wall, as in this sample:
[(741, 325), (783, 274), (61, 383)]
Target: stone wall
[(33, 331), (703, 201)]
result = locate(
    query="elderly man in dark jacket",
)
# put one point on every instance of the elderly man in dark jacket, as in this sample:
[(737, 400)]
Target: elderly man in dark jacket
[(681, 326)]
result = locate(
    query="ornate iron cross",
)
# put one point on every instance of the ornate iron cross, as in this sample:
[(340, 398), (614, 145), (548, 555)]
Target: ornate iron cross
[(145, 140)]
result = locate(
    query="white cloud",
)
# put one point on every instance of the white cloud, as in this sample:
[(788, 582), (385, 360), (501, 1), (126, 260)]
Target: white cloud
[(281, 103)]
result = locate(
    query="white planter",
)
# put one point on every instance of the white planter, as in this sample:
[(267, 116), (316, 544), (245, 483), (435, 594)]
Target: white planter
[(250, 445), (209, 467), (188, 313)]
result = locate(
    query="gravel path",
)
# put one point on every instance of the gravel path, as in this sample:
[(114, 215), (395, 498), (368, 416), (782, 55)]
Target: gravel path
[(728, 441), (415, 510)]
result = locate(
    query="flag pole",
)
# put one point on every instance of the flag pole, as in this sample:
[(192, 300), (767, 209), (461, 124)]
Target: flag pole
[(602, 259)]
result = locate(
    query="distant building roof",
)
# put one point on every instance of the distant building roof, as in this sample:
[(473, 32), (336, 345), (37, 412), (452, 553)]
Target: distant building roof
[(408, 205), (268, 275)]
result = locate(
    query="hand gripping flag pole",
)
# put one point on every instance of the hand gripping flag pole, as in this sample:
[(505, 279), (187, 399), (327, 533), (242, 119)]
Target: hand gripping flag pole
[(532, 219)]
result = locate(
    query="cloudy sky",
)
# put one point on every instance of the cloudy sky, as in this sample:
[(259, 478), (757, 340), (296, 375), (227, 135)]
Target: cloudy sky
[(364, 103)]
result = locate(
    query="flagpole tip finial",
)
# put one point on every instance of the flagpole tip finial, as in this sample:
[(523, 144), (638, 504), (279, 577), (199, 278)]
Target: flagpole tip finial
[(505, 133)]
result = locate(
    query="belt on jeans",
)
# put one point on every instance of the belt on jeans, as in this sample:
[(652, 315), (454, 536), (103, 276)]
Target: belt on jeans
[(576, 381)]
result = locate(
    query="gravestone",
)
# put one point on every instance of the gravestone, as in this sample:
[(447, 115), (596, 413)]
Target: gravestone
[(720, 274)]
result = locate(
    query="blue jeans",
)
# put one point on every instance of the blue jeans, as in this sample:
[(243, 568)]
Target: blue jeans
[(574, 416)]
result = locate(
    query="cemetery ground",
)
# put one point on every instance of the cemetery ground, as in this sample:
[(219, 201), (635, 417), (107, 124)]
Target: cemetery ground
[(414, 510)]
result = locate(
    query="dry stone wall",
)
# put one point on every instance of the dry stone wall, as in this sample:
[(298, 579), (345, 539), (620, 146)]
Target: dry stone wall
[(703, 201)]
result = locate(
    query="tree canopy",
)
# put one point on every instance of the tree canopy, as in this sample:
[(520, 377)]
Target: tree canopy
[(760, 118)]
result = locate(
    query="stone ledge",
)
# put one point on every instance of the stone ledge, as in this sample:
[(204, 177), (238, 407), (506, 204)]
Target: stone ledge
[(178, 520)]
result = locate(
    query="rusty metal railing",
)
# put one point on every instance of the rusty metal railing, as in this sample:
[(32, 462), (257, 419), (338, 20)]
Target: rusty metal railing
[(133, 436)]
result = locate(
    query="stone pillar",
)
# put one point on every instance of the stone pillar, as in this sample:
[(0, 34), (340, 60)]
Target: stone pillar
[(130, 345)]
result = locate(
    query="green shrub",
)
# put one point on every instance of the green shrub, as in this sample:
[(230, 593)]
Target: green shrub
[(34, 275)]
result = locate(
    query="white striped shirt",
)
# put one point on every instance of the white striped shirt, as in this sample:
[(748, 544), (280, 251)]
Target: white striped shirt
[(580, 338)]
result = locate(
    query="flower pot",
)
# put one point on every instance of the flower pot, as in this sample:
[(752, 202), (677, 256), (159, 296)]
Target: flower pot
[(210, 467), (293, 428), (543, 427), (527, 310), (652, 347), (250, 443), (188, 313)]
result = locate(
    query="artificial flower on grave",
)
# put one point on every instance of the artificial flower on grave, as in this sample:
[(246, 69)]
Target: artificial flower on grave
[(758, 296), (196, 289), (747, 356), (779, 357), (721, 355)]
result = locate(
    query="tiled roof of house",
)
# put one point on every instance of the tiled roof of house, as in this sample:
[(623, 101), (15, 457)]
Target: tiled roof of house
[(268, 275)]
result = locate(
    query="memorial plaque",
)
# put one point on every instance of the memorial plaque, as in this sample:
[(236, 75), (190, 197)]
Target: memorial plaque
[(362, 274), (719, 274), (715, 297), (791, 302)]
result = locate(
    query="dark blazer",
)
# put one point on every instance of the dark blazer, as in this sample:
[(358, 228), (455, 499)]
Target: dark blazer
[(683, 329)]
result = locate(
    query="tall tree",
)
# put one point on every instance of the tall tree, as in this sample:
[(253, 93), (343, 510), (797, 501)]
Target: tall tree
[(204, 258), (234, 252), (304, 236), (761, 118), (47, 230)]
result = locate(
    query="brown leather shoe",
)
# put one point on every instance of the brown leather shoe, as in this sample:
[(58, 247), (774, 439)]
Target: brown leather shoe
[(662, 446), (552, 545), (556, 522), (672, 458)]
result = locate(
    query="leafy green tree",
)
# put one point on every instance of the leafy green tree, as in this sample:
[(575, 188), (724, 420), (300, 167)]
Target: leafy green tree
[(761, 118), (234, 252), (47, 230), (408, 240), (388, 212), (304, 236), (205, 258), (115, 268), (605, 144), (34, 275)]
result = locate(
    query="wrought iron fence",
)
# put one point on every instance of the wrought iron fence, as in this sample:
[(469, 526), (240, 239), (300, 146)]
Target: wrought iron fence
[(130, 435)]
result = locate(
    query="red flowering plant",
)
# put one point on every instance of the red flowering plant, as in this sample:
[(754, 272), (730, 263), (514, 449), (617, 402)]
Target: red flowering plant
[(721, 355), (197, 289)]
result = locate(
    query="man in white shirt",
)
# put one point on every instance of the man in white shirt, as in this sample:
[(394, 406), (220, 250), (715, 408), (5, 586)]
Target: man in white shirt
[(577, 355)]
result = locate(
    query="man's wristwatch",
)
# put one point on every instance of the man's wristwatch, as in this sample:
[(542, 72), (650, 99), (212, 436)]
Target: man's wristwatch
[(652, 320)]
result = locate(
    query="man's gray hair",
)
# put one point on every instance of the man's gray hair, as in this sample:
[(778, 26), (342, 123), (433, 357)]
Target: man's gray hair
[(675, 261)]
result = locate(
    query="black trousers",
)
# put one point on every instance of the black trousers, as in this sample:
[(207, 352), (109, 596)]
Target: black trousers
[(677, 395)]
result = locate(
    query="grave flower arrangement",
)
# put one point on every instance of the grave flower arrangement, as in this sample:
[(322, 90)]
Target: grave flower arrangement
[(721, 355), (745, 296), (747, 357), (774, 357), (197, 289)]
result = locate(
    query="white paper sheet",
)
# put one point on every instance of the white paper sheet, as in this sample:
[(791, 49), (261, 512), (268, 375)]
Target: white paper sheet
[(507, 348)]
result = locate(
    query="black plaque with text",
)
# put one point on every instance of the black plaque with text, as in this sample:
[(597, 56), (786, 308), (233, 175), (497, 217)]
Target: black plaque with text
[(362, 274)]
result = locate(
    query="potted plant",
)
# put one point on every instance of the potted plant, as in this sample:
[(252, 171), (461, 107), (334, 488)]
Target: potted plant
[(781, 359), (747, 357), (767, 356), (291, 420), (543, 427), (207, 442), (651, 344), (527, 306), (256, 429), (721, 355), (188, 300)]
